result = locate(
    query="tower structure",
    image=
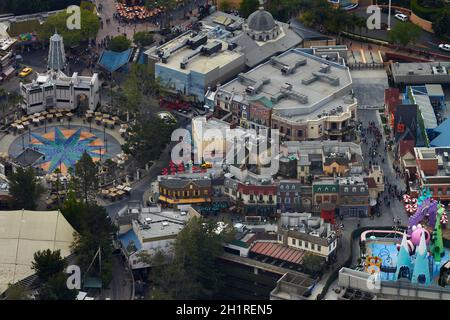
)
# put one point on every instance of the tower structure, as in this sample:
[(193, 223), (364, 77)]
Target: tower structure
[(421, 272), (56, 55), (404, 266)]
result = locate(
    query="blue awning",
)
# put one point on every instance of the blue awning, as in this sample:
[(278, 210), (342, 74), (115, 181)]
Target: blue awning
[(113, 61)]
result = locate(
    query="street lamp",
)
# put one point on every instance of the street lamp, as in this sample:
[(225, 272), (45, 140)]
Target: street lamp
[(389, 16)]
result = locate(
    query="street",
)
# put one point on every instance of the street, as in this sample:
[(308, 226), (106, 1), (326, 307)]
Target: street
[(426, 40)]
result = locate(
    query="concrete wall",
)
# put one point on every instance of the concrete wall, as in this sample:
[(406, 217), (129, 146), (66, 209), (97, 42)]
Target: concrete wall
[(349, 278)]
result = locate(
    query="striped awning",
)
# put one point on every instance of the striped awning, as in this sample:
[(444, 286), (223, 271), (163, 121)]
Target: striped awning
[(278, 251)]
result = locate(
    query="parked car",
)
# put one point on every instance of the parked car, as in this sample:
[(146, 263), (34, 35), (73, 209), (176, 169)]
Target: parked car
[(25, 72), (401, 17), (445, 47)]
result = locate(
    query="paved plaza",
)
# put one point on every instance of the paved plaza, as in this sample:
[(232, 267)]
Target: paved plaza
[(63, 145)]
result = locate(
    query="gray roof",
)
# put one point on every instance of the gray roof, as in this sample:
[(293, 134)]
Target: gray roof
[(319, 92), (181, 183), (257, 52), (28, 157), (261, 20)]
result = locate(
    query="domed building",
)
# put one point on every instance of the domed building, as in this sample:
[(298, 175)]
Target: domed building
[(261, 26)]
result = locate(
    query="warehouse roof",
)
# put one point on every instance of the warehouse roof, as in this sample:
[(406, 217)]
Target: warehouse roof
[(22, 233)]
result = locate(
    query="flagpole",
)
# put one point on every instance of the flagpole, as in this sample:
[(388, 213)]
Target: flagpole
[(389, 16)]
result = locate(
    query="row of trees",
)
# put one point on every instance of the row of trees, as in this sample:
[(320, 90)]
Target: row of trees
[(8, 103), (121, 43), (19, 7), (89, 26)]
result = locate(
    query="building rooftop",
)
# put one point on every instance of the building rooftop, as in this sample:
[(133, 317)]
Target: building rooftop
[(165, 223), (255, 51), (420, 68), (278, 251), (58, 77), (22, 233), (28, 157), (306, 227), (209, 53), (300, 86), (182, 180)]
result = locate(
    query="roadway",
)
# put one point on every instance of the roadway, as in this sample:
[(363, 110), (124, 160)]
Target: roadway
[(426, 40)]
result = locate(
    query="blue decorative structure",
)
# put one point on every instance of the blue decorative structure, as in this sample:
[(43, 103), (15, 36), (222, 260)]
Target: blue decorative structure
[(64, 150), (421, 272), (404, 265)]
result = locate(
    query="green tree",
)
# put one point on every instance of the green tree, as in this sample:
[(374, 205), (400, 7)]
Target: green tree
[(74, 210), (193, 272), (312, 263), (25, 188), (441, 23), (16, 293), (167, 6), (90, 25), (56, 289), (20, 7), (85, 178), (225, 5), (148, 139), (119, 44), (96, 233), (132, 91), (404, 33), (143, 38), (247, 7), (48, 263)]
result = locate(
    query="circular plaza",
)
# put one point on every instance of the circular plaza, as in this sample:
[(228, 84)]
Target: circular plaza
[(56, 139)]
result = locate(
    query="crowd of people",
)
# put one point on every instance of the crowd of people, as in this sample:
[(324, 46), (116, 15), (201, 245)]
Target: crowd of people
[(377, 151), (135, 13)]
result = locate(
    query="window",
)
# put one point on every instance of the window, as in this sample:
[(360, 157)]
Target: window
[(287, 200), (270, 198), (299, 243), (294, 242), (354, 189), (318, 199), (299, 133), (288, 131), (345, 189), (251, 197), (363, 189), (313, 246), (319, 248), (306, 245)]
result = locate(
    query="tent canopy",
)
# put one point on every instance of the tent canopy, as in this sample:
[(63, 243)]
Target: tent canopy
[(113, 61)]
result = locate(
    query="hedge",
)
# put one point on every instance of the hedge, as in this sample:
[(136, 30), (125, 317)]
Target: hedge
[(425, 13)]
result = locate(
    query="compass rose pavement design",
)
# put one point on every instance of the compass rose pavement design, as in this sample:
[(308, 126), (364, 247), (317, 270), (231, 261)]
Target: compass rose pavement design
[(63, 148)]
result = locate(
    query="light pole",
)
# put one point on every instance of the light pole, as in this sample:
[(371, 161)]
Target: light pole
[(389, 16)]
